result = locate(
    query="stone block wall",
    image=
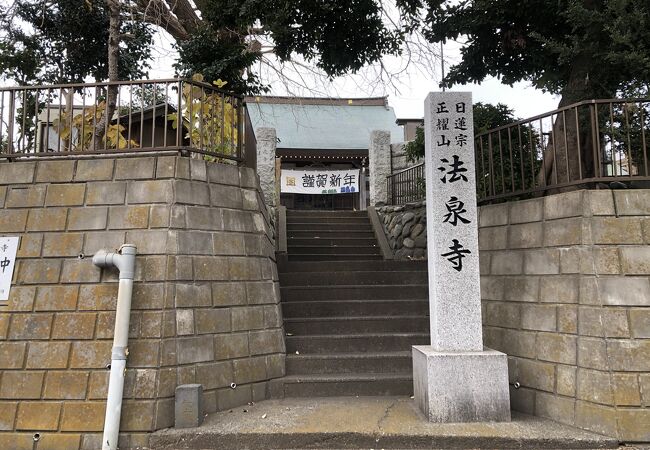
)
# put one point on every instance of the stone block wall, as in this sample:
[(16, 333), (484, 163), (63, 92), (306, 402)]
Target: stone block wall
[(405, 227), (205, 301), (566, 294)]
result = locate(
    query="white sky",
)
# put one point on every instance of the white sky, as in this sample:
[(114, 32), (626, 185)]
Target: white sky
[(408, 102)]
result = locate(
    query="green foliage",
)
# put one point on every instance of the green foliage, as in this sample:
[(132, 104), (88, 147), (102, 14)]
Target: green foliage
[(496, 164), (147, 95), (578, 48), (415, 149), (217, 56), (336, 36), (65, 41), (486, 117)]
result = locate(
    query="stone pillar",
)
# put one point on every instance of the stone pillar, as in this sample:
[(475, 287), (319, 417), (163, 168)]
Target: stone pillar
[(379, 165), (266, 145), (455, 379)]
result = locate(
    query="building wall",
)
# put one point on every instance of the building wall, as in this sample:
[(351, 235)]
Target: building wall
[(566, 294), (398, 158), (205, 301)]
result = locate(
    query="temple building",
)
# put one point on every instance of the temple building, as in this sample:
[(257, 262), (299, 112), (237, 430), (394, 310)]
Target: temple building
[(322, 149)]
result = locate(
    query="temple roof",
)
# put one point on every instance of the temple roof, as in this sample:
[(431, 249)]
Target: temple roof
[(324, 123)]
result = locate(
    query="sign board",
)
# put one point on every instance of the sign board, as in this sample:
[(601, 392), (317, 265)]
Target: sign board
[(8, 250), (319, 181)]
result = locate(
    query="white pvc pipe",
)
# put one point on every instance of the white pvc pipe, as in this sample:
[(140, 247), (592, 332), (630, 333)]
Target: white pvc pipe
[(124, 260)]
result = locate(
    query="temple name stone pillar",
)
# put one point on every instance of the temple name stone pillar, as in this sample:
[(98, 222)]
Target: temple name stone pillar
[(455, 379)]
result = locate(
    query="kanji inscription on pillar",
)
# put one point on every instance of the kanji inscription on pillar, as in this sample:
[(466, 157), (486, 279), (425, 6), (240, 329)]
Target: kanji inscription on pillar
[(8, 250), (454, 286), (455, 379)]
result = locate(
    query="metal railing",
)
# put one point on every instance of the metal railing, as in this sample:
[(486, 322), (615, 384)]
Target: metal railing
[(407, 185), (587, 144), (142, 116)]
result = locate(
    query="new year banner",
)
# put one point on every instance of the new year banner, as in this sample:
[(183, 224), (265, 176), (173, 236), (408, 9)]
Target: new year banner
[(319, 181)]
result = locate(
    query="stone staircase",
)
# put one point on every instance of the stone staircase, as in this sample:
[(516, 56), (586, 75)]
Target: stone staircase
[(330, 236), (350, 317)]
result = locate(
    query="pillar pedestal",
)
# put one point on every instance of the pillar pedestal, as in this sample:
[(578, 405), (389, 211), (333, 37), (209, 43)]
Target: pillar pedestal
[(461, 387)]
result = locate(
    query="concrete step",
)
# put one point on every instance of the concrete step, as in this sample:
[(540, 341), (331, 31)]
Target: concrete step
[(354, 308), (386, 362), (342, 257), (338, 385), (329, 266), (318, 227), (351, 278), (332, 242), (330, 234), (295, 250), (325, 213), (306, 326), (354, 343), (365, 422), (319, 218), (354, 292)]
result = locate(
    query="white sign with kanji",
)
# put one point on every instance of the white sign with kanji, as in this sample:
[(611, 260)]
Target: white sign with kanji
[(452, 229), (8, 250), (319, 181)]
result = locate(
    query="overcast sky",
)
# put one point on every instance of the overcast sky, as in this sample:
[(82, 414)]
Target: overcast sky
[(408, 102)]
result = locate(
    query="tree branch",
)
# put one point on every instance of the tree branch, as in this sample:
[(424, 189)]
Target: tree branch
[(185, 13), (157, 12)]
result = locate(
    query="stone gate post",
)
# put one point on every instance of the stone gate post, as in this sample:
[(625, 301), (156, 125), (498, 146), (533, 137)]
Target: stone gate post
[(266, 146), (379, 165)]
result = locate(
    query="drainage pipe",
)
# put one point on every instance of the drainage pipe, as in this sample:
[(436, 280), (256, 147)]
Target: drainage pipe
[(124, 261)]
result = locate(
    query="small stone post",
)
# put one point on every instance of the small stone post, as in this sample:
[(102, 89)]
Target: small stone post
[(266, 145), (188, 406), (379, 165), (455, 379)]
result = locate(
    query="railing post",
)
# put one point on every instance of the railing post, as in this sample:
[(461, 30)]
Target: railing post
[(594, 140), (179, 115), (10, 124)]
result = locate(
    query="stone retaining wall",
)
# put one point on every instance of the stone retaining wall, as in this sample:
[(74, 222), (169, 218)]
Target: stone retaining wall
[(566, 294), (205, 302), (406, 229)]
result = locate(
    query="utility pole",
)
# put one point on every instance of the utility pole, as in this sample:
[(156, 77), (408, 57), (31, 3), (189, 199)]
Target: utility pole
[(442, 64)]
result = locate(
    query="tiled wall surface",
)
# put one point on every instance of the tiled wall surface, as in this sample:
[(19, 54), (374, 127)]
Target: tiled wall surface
[(205, 302), (565, 284)]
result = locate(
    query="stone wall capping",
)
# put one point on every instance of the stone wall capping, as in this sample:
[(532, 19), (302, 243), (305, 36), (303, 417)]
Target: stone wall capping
[(527, 211), (632, 202)]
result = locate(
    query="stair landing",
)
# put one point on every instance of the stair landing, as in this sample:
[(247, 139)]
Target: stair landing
[(366, 422)]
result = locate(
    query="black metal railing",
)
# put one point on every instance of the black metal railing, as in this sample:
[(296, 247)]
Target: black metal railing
[(142, 116), (585, 144), (407, 185)]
